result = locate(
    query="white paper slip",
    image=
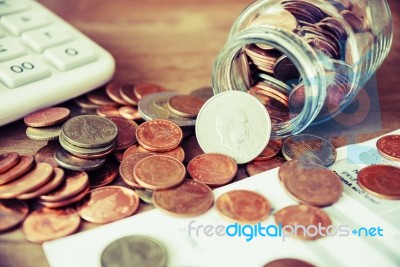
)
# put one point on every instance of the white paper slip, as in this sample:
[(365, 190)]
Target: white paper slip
[(372, 237)]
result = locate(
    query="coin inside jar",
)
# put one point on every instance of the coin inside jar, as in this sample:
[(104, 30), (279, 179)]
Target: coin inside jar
[(12, 212), (389, 146), (47, 117), (185, 105)]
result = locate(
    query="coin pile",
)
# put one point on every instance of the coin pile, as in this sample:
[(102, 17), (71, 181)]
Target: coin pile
[(86, 141), (46, 124)]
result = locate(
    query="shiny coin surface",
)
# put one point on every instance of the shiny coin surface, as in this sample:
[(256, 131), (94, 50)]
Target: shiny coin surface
[(256, 167), (100, 97), (65, 202), (127, 166), (35, 178), (288, 262), (159, 172), (191, 147), (129, 112), (243, 206), (55, 181), (309, 148), (47, 117), (271, 150), (204, 93), (89, 131), (107, 204), (84, 103), (185, 105), (389, 146), (145, 195), (189, 199), (136, 250), (12, 213), (108, 111), (212, 169), (128, 95), (45, 133), (126, 132), (70, 162), (143, 89), (103, 176), (74, 182), (48, 224), (159, 135), (233, 123), (306, 216), (46, 153), (177, 153), (113, 92), (380, 180), (310, 183), (8, 160), (23, 166)]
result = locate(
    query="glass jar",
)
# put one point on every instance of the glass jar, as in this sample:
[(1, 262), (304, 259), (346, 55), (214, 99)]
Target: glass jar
[(305, 60)]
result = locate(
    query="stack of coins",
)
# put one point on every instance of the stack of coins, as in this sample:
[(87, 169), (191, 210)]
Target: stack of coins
[(86, 141), (46, 124)]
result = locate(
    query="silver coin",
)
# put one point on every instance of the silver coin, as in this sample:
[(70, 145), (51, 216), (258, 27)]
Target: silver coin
[(45, 133), (145, 195), (70, 162), (233, 123), (155, 106), (309, 148), (135, 250)]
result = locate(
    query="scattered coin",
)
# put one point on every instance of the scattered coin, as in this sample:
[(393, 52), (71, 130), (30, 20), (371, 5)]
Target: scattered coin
[(129, 112), (108, 204), (159, 172), (270, 151), (23, 166), (189, 199), (309, 148), (185, 105), (204, 93), (306, 216), (84, 103), (99, 97), (113, 92), (71, 162), (108, 111), (45, 133), (142, 89), (212, 169), (65, 202), (310, 183), (243, 206), (12, 213), (46, 153), (380, 180), (136, 250), (159, 135), (47, 117), (126, 132), (128, 95), (48, 224), (233, 123), (389, 147), (177, 153), (103, 176), (8, 160), (256, 167), (127, 166), (288, 262), (191, 147), (145, 195)]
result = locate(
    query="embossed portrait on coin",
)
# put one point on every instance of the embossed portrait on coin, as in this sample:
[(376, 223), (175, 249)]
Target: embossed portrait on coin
[(232, 127)]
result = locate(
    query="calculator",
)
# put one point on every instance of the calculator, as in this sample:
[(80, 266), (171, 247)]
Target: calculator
[(44, 60)]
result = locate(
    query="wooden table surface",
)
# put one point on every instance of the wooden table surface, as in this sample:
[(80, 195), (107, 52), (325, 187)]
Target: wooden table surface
[(174, 43)]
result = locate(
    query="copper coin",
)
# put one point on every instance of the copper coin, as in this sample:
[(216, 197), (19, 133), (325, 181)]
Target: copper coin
[(46, 153), (47, 117), (380, 180), (271, 150), (177, 153), (159, 172), (128, 164), (212, 169), (103, 176), (126, 132), (108, 204), (47, 224), (118, 155), (84, 103), (192, 148), (108, 111), (35, 178), (128, 95), (159, 135), (310, 183), (129, 112), (99, 97), (185, 105), (189, 199), (288, 262), (66, 202), (8, 160), (12, 213), (243, 206), (113, 92), (23, 166), (143, 89), (204, 93), (256, 167), (55, 181), (306, 216), (75, 182), (389, 146), (71, 162)]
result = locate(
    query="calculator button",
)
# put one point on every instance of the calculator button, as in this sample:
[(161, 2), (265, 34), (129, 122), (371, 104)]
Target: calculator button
[(10, 48), (11, 6), (45, 37), (24, 21), (23, 70), (71, 55)]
